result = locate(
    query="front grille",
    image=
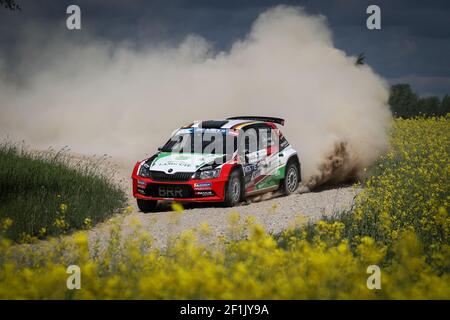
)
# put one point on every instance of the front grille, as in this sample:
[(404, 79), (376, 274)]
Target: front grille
[(169, 190), (177, 176)]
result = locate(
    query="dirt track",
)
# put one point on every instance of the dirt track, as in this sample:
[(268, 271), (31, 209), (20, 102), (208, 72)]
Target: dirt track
[(274, 212)]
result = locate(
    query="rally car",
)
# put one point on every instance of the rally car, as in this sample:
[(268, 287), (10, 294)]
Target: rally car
[(218, 161)]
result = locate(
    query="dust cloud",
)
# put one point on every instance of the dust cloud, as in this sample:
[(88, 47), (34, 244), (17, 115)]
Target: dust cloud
[(99, 97)]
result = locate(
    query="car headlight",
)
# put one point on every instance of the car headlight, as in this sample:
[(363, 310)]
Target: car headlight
[(144, 171), (208, 174)]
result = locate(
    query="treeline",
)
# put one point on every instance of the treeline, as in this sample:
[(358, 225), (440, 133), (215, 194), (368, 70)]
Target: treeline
[(406, 104)]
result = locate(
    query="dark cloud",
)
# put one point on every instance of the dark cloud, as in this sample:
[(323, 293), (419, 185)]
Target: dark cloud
[(413, 45)]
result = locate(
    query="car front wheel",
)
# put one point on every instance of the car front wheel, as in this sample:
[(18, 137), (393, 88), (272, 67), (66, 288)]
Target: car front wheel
[(233, 189), (146, 205)]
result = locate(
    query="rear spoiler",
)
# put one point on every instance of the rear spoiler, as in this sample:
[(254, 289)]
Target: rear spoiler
[(256, 118)]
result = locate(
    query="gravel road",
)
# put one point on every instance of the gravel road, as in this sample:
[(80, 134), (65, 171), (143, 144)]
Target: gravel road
[(274, 212)]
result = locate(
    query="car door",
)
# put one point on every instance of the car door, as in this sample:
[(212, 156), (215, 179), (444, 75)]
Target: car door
[(268, 149), (260, 162), (250, 155)]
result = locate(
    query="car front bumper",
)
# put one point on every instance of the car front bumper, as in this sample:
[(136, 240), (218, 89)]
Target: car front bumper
[(186, 191)]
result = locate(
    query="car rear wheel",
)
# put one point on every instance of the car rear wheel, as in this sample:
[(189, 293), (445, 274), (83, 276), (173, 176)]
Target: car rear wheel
[(291, 179), (146, 205), (234, 189)]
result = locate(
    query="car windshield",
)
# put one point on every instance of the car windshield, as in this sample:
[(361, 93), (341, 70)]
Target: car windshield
[(206, 141)]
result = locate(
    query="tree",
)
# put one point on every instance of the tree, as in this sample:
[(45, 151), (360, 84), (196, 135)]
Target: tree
[(429, 106), (403, 101), (10, 5), (360, 60), (406, 104), (445, 105)]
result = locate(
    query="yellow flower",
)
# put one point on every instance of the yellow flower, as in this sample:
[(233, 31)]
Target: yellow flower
[(178, 207), (128, 209), (42, 231), (87, 222), (63, 208), (80, 239), (204, 229), (6, 223), (61, 224)]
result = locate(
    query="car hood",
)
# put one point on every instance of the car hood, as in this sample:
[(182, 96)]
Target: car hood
[(181, 162)]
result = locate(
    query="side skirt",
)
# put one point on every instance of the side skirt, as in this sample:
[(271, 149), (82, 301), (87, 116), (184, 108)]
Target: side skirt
[(259, 191)]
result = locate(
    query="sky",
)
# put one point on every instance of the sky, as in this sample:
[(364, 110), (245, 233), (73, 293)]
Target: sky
[(413, 45)]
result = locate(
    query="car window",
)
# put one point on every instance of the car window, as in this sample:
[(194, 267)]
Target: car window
[(265, 133), (258, 137), (283, 142), (250, 139), (201, 142)]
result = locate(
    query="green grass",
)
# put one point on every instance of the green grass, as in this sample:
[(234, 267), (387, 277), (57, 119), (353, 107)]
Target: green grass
[(48, 194)]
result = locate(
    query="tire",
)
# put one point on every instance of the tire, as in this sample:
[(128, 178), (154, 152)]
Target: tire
[(146, 205), (291, 179), (234, 189)]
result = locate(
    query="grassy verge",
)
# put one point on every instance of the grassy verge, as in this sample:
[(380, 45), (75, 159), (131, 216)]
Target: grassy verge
[(45, 194)]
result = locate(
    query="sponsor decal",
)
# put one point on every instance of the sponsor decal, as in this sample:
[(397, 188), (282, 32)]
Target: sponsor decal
[(202, 184), (173, 163), (204, 193), (250, 168)]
